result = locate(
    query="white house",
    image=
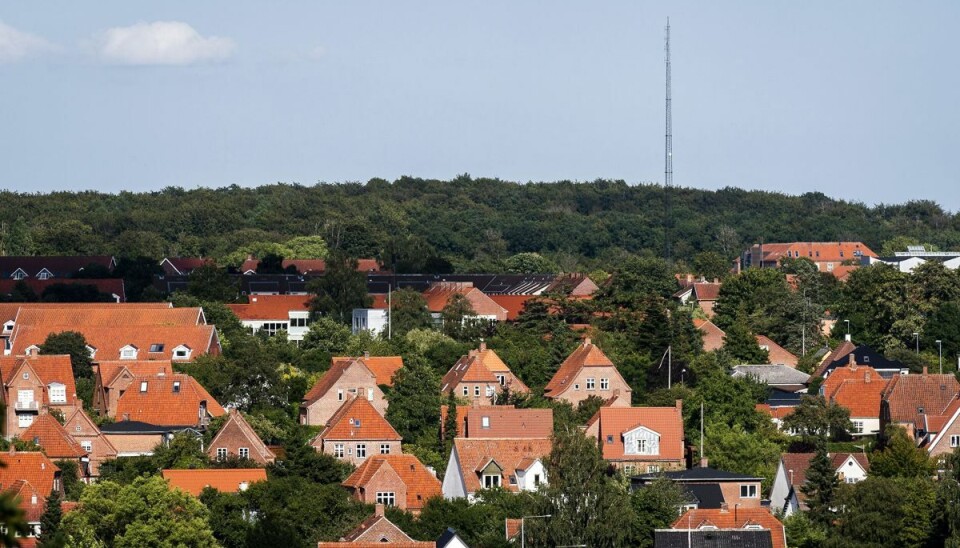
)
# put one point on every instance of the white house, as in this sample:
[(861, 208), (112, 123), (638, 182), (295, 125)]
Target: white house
[(275, 313), (514, 464), (373, 320), (786, 495)]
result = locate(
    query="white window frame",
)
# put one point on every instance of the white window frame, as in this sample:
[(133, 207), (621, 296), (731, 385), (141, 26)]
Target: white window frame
[(339, 394), (128, 352), (361, 451), (591, 383), (384, 448), (221, 454), (57, 392), (369, 394), (386, 498), (476, 390), (24, 420), (856, 427), (491, 480), (749, 491), (490, 391), (466, 390), (338, 450), (955, 440), (604, 384), (243, 452), (485, 422)]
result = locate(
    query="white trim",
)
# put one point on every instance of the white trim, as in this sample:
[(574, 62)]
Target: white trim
[(943, 431)]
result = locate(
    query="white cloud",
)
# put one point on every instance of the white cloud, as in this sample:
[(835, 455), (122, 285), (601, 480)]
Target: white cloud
[(161, 43), (16, 44)]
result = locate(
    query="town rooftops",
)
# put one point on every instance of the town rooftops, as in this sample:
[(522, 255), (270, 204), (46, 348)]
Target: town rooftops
[(134, 427), (376, 528), (49, 369), (31, 466), (910, 399), (329, 379), (421, 483), (502, 421), (734, 519), (358, 419), (270, 307), (109, 370), (858, 388), (172, 400), (56, 442), (712, 538), (585, 355), (382, 367), (439, 295), (225, 480), (511, 455), (613, 422), (9, 311), (183, 342), (77, 317), (57, 266), (110, 286)]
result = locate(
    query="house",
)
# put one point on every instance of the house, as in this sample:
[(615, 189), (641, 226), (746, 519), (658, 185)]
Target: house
[(450, 539), (512, 463), (382, 367), (739, 526), (710, 334), (484, 308), (826, 255), (57, 444), (112, 378), (10, 311), (139, 439), (778, 376), (356, 431), (703, 294), (225, 480), (923, 404), (393, 480), (779, 405), (35, 385), (49, 267), (344, 380), (500, 421), (176, 400), (86, 288), (481, 374), (713, 337), (31, 476), (587, 372), (709, 488), (237, 439), (786, 495), (863, 355), (914, 256), (182, 266), (85, 432), (374, 320), (632, 439), (858, 389), (776, 353), (271, 314), (375, 529)]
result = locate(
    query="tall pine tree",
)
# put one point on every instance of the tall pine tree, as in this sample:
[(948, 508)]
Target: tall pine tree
[(50, 535), (821, 486)]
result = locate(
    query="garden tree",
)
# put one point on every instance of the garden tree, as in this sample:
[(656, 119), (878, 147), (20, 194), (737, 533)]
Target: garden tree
[(246, 376), (931, 284), (822, 486), (408, 311), (341, 289), (759, 294), (215, 313), (70, 475), (636, 279), (327, 335), (13, 522), (302, 463), (75, 345), (23, 293), (900, 457), (884, 512), (227, 520), (581, 497), (306, 247), (876, 301), (711, 265), (457, 315), (209, 282), (736, 449), (414, 399), (944, 325), (656, 506), (530, 263), (802, 532), (183, 451), (813, 416), (143, 513), (900, 243), (450, 423), (50, 534), (726, 399), (272, 263), (740, 345), (947, 517)]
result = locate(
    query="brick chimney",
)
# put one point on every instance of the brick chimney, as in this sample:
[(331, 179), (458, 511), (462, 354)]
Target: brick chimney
[(378, 510), (366, 354), (586, 341), (703, 462), (924, 371), (483, 346), (866, 377), (852, 361)]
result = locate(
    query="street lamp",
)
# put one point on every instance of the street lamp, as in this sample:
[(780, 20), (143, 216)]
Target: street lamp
[(940, 351), (523, 536), (917, 337), (848, 328)]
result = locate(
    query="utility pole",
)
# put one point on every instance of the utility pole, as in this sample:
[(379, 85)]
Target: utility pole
[(668, 153)]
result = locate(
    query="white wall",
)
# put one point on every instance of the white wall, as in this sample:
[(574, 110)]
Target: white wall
[(369, 319), (453, 484), (526, 480)]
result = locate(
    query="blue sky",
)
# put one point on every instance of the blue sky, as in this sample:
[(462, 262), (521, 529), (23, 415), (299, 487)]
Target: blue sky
[(854, 99)]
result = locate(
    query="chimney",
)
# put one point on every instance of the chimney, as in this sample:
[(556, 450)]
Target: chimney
[(13, 450), (586, 341), (483, 346), (472, 353), (703, 462), (366, 354), (853, 362), (924, 371), (866, 377), (378, 510), (847, 338), (724, 508)]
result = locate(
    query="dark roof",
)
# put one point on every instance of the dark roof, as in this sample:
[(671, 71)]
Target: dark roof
[(699, 474), (705, 495), (132, 427), (60, 267), (864, 355), (490, 284), (721, 538), (782, 398), (447, 537)]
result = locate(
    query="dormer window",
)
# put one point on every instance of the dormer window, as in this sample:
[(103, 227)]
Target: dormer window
[(484, 422), (32, 350), (491, 480), (58, 393), (143, 386), (641, 441), (8, 326), (176, 387), (182, 352), (92, 351), (128, 352), (19, 274), (44, 274)]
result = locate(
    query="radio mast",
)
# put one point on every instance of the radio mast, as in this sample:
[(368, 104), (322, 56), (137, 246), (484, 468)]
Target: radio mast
[(668, 155)]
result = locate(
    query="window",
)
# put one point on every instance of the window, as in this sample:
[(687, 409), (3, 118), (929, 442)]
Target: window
[(536, 479), (176, 387), (513, 479), (466, 391), (609, 438), (19, 275), (954, 441), (502, 379), (476, 390), (355, 422), (221, 453), (143, 386), (484, 422), (361, 450), (156, 347), (604, 384), (369, 394), (576, 387), (591, 383), (642, 446), (653, 468), (857, 427), (386, 498), (298, 322), (44, 274), (384, 448), (244, 452), (181, 352), (77, 428), (58, 393), (128, 352), (339, 394), (748, 491), (338, 450), (24, 420), (491, 480)]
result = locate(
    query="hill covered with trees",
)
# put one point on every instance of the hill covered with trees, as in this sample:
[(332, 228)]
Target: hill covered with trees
[(465, 224)]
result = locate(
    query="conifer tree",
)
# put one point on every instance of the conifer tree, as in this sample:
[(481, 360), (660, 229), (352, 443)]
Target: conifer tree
[(821, 486), (50, 534), (740, 345), (450, 423)]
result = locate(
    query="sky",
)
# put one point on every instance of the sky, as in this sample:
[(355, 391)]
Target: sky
[(855, 99)]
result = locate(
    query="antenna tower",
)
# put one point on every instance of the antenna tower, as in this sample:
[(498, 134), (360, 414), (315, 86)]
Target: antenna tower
[(668, 153)]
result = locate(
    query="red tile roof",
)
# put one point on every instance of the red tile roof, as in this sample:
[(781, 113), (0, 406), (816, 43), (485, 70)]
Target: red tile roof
[(738, 518), (108, 341), (53, 438), (330, 378), (77, 317), (706, 291), (440, 293), (411, 544), (776, 353), (910, 398), (48, 369), (421, 483), (614, 422), (225, 480), (798, 463), (513, 304), (506, 422), (586, 355), (474, 454), (31, 466), (857, 388), (816, 251), (270, 307), (9, 311), (358, 419), (382, 367), (109, 370), (312, 266), (161, 405), (386, 527), (779, 413)]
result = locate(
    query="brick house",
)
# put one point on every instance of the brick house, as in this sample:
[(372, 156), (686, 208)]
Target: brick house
[(344, 380), (393, 480), (588, 372), (484, 308), (357, 431), (375, 529), (85, 432), (709, 488), (35, 385), (236, 438), (112, 378), (645, 439), (176, 400), (828, 256), (703, 294), (57, 444), (925, 405), (500, 421), (513, 464), (712, 337), (225, 480), (32, 477), (481, 375), (859, 389)]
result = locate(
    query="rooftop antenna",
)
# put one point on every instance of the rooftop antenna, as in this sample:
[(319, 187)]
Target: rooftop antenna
[(668, 153)]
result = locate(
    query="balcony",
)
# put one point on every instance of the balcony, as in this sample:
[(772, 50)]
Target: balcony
[(33, 406)]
